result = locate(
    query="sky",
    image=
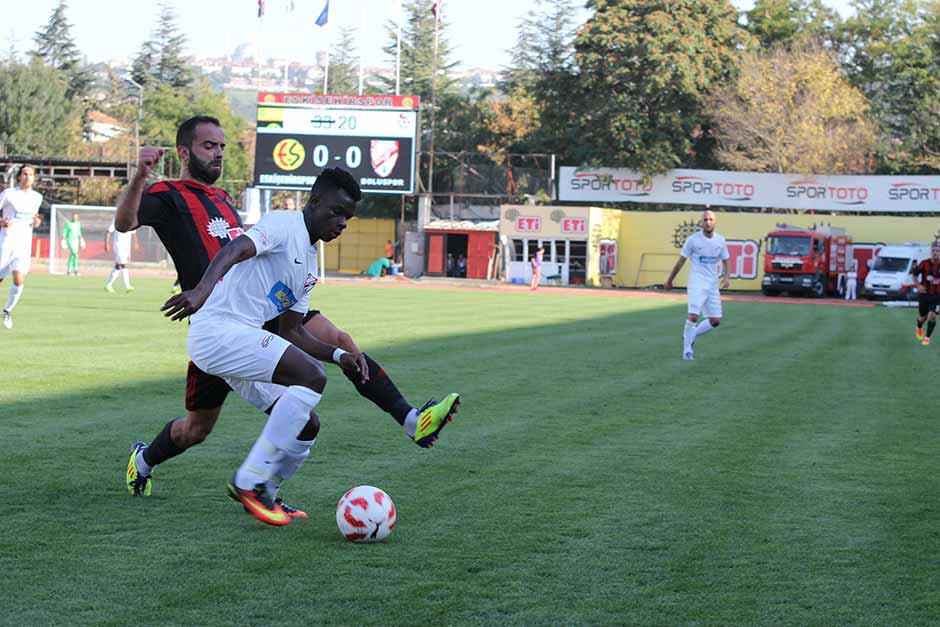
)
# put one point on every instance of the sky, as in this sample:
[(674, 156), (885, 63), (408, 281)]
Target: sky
[(480, 31)]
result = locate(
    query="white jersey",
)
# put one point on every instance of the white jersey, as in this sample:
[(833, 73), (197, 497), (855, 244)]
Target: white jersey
[(121, 242), (704, 253), (20, 206), (278, 278)]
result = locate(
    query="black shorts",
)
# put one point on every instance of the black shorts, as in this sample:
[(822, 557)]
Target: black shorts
[(271, 325), (204, 390), (927, 303)]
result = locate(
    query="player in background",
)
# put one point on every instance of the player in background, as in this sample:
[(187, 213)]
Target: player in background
[(269, 273), (705, 249), (72, 241), (121, 243), (195, 220), (927, 276), (19, 215), (536, 262)]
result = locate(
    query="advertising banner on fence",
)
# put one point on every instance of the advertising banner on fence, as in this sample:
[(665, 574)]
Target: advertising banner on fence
[(912, 194)]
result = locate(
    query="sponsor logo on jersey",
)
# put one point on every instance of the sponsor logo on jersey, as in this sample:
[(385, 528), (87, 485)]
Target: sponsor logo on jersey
[(384, 155), (267, 340), (282, 297), (218, 227)]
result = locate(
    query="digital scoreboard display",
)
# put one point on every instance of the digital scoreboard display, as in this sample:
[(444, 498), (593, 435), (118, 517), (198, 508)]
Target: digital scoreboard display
[(372, 137)]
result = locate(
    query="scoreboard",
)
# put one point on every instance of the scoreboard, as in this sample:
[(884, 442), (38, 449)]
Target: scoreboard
[(372, 137)]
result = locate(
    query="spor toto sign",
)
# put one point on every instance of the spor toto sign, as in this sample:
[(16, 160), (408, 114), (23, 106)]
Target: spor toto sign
[(910, 194), (372, 137)]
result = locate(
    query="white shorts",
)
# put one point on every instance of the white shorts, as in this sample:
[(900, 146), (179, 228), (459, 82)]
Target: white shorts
[(235, 351), (122, 254), (261, 395), (704, 301), (14, 259)]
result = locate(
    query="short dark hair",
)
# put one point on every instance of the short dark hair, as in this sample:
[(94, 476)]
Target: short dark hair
[(336, 178), (20, 169), (187, 130)]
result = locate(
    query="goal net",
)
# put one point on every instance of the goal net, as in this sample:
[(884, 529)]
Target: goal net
[(146, 252)]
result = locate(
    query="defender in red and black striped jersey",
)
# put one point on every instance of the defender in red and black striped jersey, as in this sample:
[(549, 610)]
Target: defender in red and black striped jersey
[(927, 276), (194, 220)]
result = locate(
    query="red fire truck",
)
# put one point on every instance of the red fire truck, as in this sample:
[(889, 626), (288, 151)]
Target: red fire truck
[(801, 260)]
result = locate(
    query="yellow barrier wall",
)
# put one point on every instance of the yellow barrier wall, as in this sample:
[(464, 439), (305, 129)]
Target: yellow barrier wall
[(654, 239), (361, 243)]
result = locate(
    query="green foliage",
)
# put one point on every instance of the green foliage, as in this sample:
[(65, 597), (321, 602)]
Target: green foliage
[(646, 67), (344, 63), (37, 118), (773, 22), (56, 48), (890, 52), (166, 107), (417, 53), (162, 58), (543, 74)]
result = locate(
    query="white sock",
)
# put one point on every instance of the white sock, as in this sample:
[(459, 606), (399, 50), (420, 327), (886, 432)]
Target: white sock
[(411, 423), (125, 277), (279, 437), (13, 297), (112, 277), (688, 334), (287, 465), (143, 467), (703, 327)]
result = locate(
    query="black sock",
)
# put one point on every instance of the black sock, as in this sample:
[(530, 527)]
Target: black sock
[(380, 390), (162, 448), (930, 326), (920, 323)]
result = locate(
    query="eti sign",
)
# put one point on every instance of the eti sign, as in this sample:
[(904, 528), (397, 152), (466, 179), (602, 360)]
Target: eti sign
[(528, 224), (574, 225)]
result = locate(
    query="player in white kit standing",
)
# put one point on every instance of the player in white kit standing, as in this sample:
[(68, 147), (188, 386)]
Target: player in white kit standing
[(268, 273), (19, 215), (121, 243), (706, 249)]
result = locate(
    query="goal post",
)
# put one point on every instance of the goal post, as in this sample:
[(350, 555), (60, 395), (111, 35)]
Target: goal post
[(147, 250)]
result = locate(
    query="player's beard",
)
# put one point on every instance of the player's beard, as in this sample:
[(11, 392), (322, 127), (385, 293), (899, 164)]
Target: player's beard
[(200, 170)]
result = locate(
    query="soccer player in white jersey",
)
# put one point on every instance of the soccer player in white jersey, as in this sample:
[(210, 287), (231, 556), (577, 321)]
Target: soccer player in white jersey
[(121, 243), (268, 273), (19, 215), (706, 249)]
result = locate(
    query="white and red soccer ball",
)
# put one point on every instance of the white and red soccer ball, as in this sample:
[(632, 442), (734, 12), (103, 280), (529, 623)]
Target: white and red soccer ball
[(365, 514)]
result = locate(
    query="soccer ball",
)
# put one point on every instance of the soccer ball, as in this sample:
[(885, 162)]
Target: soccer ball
[(365, 514)]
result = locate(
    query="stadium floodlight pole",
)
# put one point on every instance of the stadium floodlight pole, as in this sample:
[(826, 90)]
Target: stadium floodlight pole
[(398, 53), (437, 24), (362, 34), (140, 110)]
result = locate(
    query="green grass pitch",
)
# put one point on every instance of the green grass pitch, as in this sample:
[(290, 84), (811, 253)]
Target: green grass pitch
[(787, 476)]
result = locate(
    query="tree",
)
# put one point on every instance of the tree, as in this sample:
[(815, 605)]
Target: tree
[(344, 63), (543, 71), (417, 53), (165, 107), (56, 48), (792, 110), (773, 22), (162, 58), (645, 68), (890, 53), (36, 115)]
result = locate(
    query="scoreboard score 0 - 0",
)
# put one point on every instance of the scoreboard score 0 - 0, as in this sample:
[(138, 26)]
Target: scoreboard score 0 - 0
[(372, 137)]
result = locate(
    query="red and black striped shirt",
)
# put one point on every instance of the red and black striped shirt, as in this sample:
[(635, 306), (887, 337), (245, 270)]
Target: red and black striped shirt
[(194, 221), (929, 272)]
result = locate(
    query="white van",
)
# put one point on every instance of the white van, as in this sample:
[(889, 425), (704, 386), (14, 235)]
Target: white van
[(890, 274)]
